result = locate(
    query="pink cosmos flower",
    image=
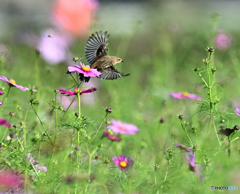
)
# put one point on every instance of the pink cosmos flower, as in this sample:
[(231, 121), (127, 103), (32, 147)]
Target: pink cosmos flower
[(76, 91), (1, 103), (237, 111), (75, 16), (1, 93), (54, 48), (4, 122), (10, 181), (223, 41), (84, 69), (183, 147), (185, 95), (123, 162), (35, 163), (12, 83), (122, 128), (112, 137), (195, 168)]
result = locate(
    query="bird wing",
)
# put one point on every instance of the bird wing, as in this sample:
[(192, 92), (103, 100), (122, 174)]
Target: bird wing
[(96, 46), (111, 73)]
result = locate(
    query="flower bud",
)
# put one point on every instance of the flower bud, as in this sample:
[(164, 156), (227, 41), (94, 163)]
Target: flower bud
[(210, 50), (108, 110), (236, 127), (11, 114), (181, 117), (75, 59), (162, 120)]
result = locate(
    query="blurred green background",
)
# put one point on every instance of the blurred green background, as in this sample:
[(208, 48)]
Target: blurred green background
[(161, 42)]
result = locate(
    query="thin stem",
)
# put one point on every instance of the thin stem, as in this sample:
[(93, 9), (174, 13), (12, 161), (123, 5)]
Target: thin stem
[(124, 177), (229, 147), (185, 130), (65, 112), (166, 174), (98, 129), (209, 72), (214, 126)]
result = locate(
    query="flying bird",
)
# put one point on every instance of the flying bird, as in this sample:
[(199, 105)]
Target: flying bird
[(96, 55)]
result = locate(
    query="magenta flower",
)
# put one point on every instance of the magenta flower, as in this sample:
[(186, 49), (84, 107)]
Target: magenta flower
[(122, 162), (183, 147), (223, 41), (10, 181), (76, 91), (35, 163), (122, 128), (185, 95), (4, 122), (1, 93), (12, 83), (237, 111), (1, 103), (84, 69), (195, 168), (54, 48), (111, 137)]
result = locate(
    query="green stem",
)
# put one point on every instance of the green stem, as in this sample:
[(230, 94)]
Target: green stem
[(166, 174), (124, 177), (37, 74), (229, 147), (214, 126), (210, 84), (98, 129), (56, 127), (65, 112), (185, 130)]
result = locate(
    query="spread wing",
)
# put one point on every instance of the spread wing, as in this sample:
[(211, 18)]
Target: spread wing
[(96, 46), (111, 73)]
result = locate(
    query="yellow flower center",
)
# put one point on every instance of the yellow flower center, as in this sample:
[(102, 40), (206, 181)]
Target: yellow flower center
[(185, 94), (12, 81), (122, 128), (123, 164), (77, 91), (85, 68)]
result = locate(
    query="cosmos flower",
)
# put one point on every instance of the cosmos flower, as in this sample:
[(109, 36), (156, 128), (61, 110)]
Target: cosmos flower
[(185, 95), (122, 128), (123, 162), (84, 69), (1, 92), (54, 49), (111, 137), (35, 163), (183, 147), (4, 122), (195, 168), (223, 41), (76, 91), (10, 181), (237, 111), (12, 83), (74, 17), (1, 103)]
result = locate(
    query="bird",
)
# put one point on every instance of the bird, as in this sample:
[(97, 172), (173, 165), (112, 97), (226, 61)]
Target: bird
[(96, 55)]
